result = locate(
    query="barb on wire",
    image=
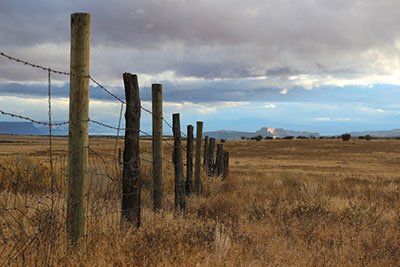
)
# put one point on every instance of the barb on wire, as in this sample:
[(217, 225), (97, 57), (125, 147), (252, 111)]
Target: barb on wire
[(106, 90), (33, 65), (118, 128), (32, 120)]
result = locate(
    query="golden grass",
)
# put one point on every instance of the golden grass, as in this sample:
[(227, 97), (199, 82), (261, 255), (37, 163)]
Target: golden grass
[(285, 203)]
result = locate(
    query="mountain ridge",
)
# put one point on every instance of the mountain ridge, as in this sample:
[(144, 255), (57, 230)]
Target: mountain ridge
[(264, 132)]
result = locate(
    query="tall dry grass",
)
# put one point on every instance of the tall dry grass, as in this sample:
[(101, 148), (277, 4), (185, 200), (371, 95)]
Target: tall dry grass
[(285, 203)]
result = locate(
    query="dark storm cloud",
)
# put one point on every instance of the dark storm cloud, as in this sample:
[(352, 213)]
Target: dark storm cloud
[(281, 71), (209, 39)]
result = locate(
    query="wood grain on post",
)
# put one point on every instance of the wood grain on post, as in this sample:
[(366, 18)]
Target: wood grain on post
[(205, 157), (189, 160), (219, 160), (78, 140), (157, 147), (130, 208), (197, 167), (180, 194), (211, 156)]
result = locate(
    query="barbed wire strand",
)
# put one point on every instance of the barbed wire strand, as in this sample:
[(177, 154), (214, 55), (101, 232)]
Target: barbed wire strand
[(33, 65)]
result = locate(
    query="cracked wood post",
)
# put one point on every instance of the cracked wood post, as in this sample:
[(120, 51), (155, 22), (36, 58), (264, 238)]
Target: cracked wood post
[(78, 140), (197, 168), (157, 147), (211, 156), (130, 208), (205, 157), (180, 194), (189, 160)]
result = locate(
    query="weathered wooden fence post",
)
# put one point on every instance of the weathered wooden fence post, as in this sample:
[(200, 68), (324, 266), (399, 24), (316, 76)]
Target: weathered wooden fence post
[(197, 172), (130, 210), (226, 164), (78, 141), (158, 184), (180, 195), (219, 161), (189, 160), (211, 156), (205, 157)]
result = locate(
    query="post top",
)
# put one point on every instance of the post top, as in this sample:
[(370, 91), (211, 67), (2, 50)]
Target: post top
[(80, 14)]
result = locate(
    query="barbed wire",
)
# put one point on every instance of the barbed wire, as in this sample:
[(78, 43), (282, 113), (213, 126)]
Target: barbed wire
[(89, 76), (33, 65), (98, 160), (32, 120)]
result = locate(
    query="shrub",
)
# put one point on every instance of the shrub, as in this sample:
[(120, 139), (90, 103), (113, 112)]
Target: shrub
[(257, 138), (302, 137), (288, 137), (346, 137)]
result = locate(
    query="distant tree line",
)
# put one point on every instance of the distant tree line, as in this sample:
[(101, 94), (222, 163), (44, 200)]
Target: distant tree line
[(344, 137)]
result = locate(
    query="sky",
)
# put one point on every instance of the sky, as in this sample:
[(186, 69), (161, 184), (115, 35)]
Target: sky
[(329, 66)]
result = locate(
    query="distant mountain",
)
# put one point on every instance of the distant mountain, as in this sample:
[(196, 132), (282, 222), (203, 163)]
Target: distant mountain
[(280, 132), (229, 135), (56, 129), (388, 133), (25, 128), (264, 132)]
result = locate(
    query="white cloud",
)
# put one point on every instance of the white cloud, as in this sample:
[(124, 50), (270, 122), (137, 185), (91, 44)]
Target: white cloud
[(270, 106), (374, 110), (284, 91), (323, 119), (337, 119)]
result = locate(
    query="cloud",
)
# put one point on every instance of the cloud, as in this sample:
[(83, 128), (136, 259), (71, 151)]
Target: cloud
[(315, 43), (270, 106), (374, 110), (336, 119), (283, 91), (323, 119)]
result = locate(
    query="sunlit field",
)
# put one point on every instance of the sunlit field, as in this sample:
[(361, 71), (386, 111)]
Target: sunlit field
[(284, 203)]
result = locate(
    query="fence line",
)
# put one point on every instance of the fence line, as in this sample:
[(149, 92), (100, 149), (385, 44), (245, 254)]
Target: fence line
[(99, 166)]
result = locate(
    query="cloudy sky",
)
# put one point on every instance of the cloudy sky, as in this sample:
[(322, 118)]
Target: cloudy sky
[(321, 65)]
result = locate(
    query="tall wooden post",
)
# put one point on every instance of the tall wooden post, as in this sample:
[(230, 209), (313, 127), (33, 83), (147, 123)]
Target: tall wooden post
[(78, 141), (226, 164), (211, 156), (189, 160), (180, 195), (130, 206), (158, 184), (205, 157), (199, 139), (219, 161)]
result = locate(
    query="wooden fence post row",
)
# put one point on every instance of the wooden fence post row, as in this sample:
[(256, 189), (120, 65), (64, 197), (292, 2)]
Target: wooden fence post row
[(78, 144)]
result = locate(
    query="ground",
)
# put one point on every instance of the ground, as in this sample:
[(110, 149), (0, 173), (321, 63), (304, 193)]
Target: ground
[(284, 203)]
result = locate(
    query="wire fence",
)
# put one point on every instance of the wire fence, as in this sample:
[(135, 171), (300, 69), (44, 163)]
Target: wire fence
[(33, 180)]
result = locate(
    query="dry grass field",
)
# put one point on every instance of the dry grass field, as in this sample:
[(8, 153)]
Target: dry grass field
[(284, 203)]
